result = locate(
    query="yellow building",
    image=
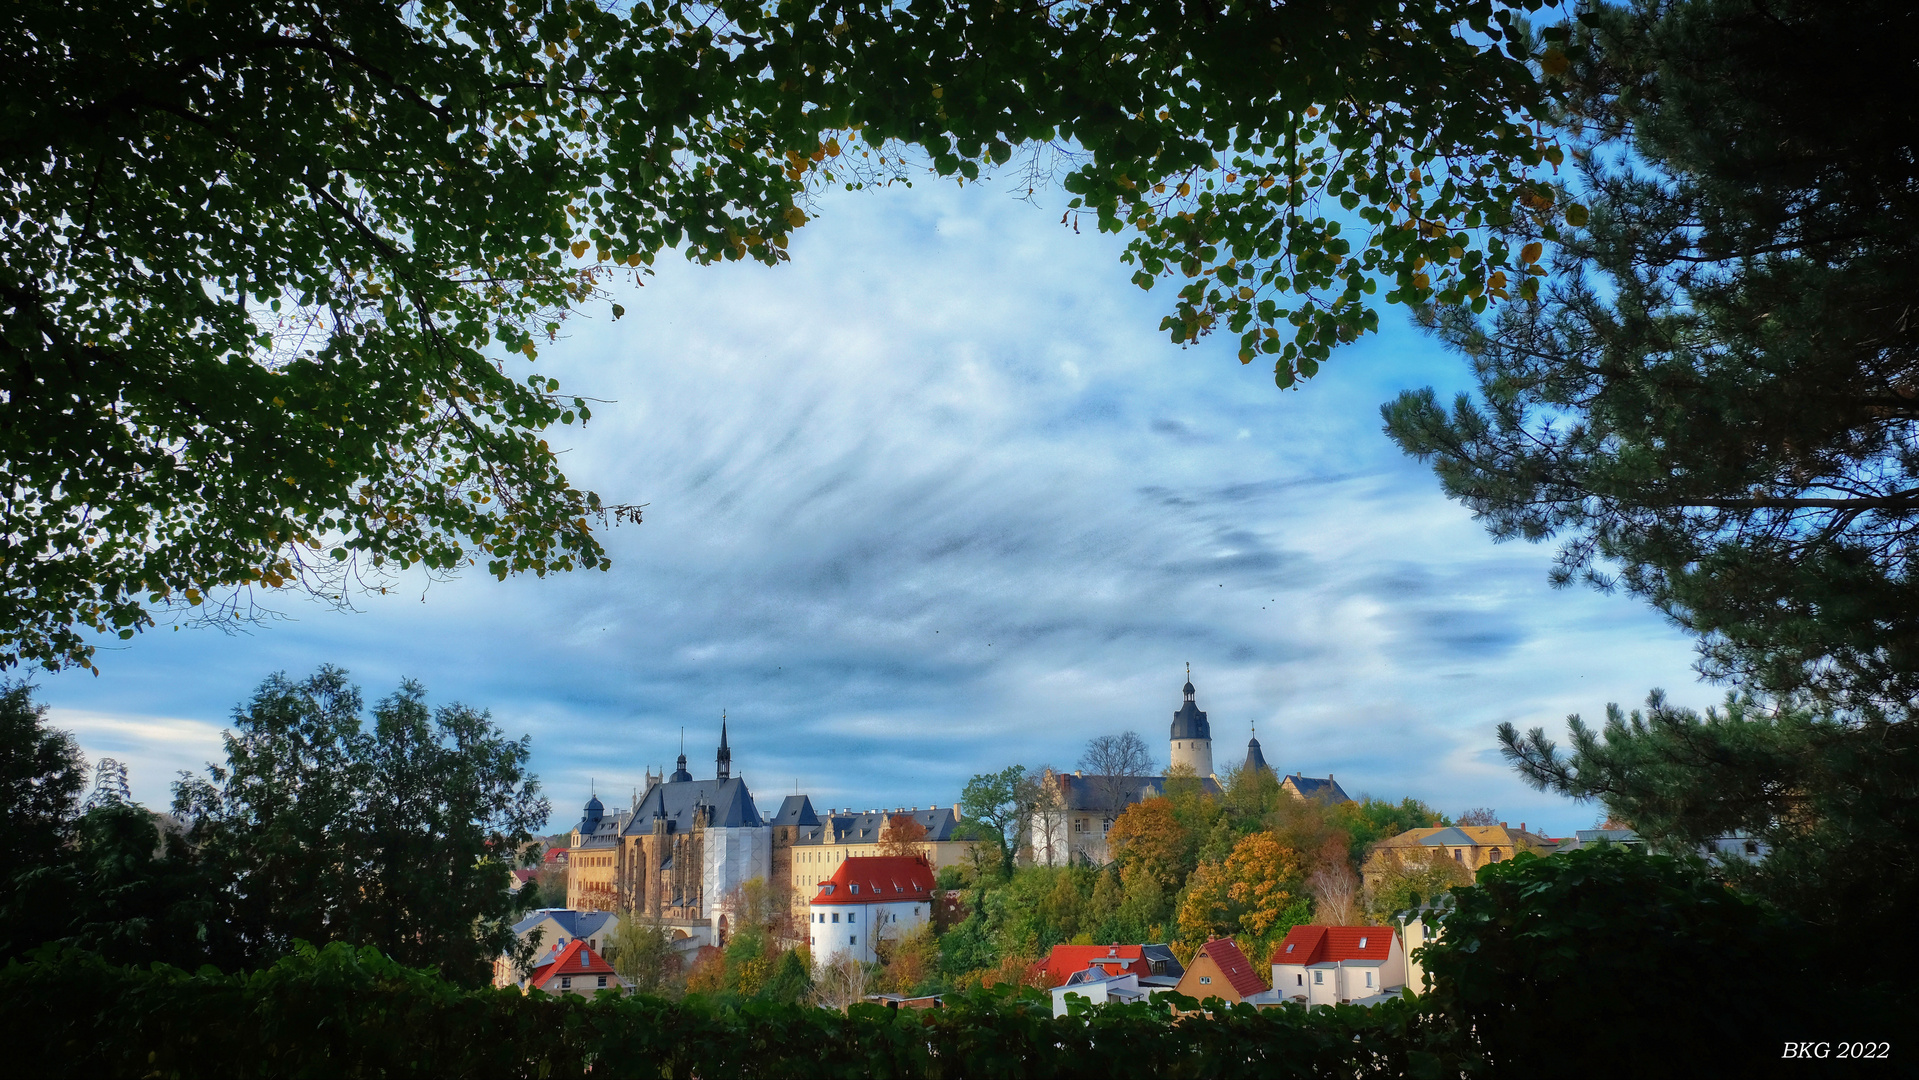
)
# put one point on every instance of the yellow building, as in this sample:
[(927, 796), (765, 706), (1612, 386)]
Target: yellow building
[(819, 843), (1471, 846)]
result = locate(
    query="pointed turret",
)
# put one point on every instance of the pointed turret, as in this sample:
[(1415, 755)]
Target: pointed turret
[(725, 768), (1192, 738)]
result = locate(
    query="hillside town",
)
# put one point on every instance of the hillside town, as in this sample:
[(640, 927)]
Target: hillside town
[(867, 897)]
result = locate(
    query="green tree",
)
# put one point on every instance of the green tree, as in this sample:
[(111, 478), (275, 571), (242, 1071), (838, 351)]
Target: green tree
[(41, 774), (1715, 401), (273, 274), (994, 811), (395, 835), (1714, 405), (124, 888), (1602, 962), (1367, 821), (1836, 801), (641, 951)]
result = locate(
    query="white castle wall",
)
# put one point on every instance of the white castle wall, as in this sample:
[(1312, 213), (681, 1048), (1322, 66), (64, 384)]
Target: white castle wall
[(733, 857)]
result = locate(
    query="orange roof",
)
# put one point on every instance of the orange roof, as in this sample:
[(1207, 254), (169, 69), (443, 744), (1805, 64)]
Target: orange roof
[(878, 879), (1238, 970), (1118, 959), (578, 958), (1328, 944)]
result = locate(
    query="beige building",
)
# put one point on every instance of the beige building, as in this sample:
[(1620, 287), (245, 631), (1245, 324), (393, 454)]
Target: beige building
[(1470, 846), (820, 843)]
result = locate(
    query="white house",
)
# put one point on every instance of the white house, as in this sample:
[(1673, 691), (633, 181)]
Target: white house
[(1325, 965), (869, 899), (1098, 986)]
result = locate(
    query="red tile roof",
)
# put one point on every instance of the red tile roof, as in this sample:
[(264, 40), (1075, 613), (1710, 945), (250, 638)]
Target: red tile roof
[(1117, 959), (878, 879), (1233, 963), (1326, 944), (578, 958)]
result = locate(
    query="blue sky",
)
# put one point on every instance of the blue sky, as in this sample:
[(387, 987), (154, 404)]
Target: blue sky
[(937, 497)]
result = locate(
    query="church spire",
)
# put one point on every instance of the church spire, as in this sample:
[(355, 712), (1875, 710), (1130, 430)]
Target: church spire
[(725, 768)]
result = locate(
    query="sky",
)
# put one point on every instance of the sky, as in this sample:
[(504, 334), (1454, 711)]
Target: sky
[(937, 497)]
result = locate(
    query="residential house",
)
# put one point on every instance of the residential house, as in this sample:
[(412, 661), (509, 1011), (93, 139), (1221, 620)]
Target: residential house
[(1471, 846), (1153, 965), (557, 928), (869, 899), (1326, 965), (578, 969), (1220, 970), (1097, 986)]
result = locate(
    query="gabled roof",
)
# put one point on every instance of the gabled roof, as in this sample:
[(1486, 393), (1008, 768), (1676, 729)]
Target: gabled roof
[(1466, 836), (574, 924), (1323, 788), (866, 828), (796, 810), (577, 958), (1332, 944), (1065, 960), (1234, 965), (679, 800), (878, 879), (1082, 792)]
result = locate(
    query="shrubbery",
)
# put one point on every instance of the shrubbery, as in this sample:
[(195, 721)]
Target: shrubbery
[(1596, 962)]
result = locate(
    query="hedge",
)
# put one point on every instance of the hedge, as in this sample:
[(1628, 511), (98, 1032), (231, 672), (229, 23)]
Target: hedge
[(336, 1012)]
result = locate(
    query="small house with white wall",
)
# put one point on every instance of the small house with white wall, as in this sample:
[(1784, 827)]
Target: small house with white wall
[(1097, 986), (577, 969), (868, 900), (1326, 965)]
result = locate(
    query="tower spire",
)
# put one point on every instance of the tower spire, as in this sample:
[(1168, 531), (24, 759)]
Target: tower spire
[(725, 764)]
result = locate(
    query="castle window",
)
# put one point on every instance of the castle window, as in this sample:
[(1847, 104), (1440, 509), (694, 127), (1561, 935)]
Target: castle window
[(836, 916), (852, 917), (854, 940)]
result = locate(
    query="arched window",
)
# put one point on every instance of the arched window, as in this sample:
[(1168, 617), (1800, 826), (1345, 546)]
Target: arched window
[(1493, 856)]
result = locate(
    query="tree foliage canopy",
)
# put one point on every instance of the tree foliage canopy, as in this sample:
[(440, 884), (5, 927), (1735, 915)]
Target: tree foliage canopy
[(272, 273), (1715, 402), (399, 834)]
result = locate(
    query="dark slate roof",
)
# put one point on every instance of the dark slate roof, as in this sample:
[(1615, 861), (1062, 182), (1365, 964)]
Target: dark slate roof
[(1317, 787), (678, 800), (603, 833), (1255, 759), (865, 828), (1449, 837), (1190, 723), (796, 810), (1088, 793), (1163, 954), (574, 924)]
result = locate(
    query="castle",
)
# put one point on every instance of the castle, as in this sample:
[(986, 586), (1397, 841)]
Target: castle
[(1072, 827)]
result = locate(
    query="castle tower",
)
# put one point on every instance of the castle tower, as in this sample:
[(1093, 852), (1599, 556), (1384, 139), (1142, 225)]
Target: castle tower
[(1192, 742), (1254, 759), (724, 768)]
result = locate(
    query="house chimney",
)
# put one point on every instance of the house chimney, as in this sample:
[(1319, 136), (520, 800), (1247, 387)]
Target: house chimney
[(1503, 825), (1522, 826)]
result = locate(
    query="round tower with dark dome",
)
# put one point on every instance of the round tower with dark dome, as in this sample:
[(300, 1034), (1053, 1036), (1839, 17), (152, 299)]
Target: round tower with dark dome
[(1192, 742)]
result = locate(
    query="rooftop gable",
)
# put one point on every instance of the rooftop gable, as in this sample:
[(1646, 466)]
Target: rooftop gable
[(679, 800), (878, 879), (1334, 944), (578, 958), (1233, 964)]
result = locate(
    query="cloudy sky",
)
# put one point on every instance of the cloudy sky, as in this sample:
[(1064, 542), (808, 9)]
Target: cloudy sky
[(936, 497)]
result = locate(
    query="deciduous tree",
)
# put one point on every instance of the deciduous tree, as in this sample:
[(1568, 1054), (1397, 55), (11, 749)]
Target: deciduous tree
[(273, 273), (397, 834)]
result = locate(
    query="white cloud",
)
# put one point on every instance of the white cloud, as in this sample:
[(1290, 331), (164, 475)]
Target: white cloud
[(937, 497)]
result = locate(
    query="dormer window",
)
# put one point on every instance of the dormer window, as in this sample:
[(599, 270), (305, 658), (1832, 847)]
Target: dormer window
[(827, 888), (856, 888)]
